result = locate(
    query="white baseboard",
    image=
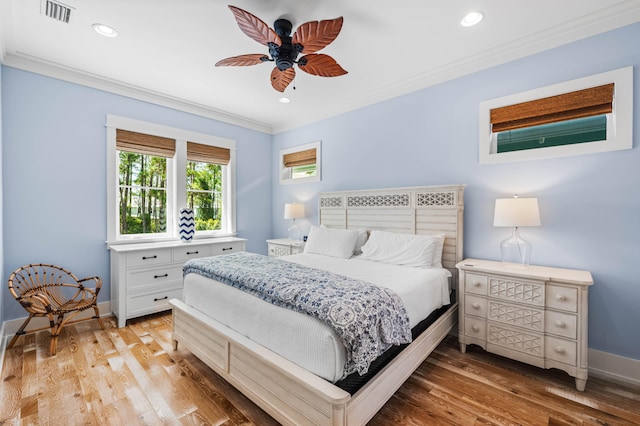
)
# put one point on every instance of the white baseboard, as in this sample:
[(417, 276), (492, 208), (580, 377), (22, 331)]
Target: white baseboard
[(10, 327), (615, 368)]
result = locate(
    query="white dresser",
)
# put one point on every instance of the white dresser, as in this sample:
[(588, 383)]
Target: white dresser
[(284, 247), (145, 276), (533, 314)]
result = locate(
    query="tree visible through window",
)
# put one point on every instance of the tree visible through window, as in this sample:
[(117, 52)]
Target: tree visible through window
[(142, 193), (204, 194)]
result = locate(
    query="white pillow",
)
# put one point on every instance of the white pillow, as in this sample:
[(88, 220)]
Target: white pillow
[(437, 252), (400, 249), (331, 242), (362, 239)]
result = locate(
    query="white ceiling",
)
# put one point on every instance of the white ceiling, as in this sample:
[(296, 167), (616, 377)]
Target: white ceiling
[(166, 49)]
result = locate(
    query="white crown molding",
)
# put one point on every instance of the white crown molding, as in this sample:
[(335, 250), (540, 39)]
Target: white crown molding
[(621, 15), (61, 72)]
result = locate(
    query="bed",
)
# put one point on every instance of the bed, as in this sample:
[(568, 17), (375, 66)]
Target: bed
[(300, 388)]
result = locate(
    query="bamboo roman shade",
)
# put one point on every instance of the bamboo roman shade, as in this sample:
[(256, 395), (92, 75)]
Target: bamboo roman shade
[(300, 158), (145, 144), (568, 106), (208, 153)]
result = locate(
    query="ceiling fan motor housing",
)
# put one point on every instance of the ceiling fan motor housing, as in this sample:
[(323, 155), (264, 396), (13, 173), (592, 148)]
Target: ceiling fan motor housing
[(285, 55)]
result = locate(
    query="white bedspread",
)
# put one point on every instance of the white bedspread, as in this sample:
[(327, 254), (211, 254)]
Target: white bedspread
[(300, 338)]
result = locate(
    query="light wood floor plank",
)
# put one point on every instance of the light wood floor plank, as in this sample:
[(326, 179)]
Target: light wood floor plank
[(132, 376)]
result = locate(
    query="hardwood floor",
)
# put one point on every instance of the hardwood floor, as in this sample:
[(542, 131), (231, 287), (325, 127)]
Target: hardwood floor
[(132, 376)]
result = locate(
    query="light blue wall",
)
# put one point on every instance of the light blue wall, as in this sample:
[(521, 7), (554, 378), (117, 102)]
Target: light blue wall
[(1, 200), (54, 167), (590, 204)]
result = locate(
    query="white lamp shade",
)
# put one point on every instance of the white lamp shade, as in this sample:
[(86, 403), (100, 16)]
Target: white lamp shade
[(293, 211), (516, 212)]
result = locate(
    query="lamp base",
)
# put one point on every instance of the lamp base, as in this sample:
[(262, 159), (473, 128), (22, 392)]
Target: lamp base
[(294, 232), (516, 250)]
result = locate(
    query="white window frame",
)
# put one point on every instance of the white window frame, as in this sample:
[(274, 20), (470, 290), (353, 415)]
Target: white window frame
[(176, 180), (619, 122), (285, 172)]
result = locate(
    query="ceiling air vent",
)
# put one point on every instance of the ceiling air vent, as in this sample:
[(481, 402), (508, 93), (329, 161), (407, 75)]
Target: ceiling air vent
[(56, 10)]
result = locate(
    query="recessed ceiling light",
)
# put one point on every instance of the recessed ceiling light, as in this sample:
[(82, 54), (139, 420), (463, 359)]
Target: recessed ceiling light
[(284, 100), (471, 19), (105, 30)]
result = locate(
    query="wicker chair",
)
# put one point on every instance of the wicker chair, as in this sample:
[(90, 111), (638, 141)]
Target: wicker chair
[(46, 291)]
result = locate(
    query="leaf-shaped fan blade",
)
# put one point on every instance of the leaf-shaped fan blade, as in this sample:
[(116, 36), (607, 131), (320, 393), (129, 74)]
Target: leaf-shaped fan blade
[(243, 60), (281, 79), (315, 35), (254, 27), (321, 64)]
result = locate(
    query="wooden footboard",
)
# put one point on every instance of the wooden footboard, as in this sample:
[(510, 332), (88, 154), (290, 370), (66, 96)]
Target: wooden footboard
[(289, 393)]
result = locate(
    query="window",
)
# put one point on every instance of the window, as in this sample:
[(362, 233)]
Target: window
[(154, 170), (300, 163), (592, 114), (204, 184)]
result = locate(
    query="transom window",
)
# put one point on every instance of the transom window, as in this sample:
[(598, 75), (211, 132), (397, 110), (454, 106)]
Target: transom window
[(588, 115), (300, 163), (155, 170)]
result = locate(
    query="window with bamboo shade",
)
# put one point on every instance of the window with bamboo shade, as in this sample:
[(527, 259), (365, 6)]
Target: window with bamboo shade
[(300, 163), (156, 170), (592, 114)]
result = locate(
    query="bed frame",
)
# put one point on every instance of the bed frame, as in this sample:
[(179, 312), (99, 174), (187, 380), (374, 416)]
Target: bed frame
[(293, 395)]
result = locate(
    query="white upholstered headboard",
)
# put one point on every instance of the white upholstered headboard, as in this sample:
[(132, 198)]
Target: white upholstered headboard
[(421, 210)]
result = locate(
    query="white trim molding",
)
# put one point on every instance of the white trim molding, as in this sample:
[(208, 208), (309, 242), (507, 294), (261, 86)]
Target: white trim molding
[(615, 368)]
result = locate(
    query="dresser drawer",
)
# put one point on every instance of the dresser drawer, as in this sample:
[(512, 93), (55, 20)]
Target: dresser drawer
[(564, 298), (561, 324), (560, 350), (474, 305), (148, 257), (278, 250), (521, 291), (516, 339), (190, 251), (140, 279), (524, 316), (475, 327), (226, 248), (155, 301), (476, 284)]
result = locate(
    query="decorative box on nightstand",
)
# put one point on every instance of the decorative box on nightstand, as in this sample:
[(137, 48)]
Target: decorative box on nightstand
[(284, 247), (533, 314)]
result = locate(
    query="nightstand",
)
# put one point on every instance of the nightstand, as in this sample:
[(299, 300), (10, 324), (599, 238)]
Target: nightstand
[(284, 247), (534, 314)]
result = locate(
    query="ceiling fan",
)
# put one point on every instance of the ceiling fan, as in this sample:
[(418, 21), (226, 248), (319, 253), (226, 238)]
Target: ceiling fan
[(309, 38)]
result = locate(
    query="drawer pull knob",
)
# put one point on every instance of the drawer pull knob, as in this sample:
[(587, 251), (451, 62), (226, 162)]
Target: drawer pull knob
[(161, 276), (149, 257), (227, 248), (192, 252), (475, 306), (560, 324), (157, 299), (560, 350), (561, 297), (476, 283), (475, 328)]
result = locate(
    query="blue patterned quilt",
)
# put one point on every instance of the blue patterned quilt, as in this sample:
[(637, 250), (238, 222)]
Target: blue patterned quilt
[(369, 318)]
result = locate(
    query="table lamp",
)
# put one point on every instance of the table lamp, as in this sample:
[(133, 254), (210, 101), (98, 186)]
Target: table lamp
[(516, 212), (294, 211)]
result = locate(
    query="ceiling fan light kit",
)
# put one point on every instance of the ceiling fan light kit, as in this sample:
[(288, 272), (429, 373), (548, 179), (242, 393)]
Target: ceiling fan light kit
[(284, 49)]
